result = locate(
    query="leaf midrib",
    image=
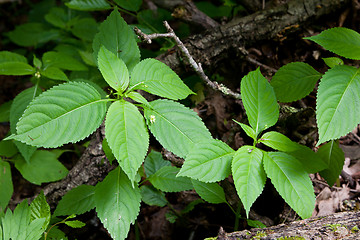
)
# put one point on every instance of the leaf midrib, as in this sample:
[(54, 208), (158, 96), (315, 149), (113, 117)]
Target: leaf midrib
[(63, 115)]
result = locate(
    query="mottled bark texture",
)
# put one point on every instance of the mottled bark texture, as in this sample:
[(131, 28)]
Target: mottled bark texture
[(212, 46), (90, 169), (344, 225)]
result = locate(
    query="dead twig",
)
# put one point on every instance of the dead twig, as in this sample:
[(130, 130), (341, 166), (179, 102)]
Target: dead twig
[(250, 59), (196, 66)]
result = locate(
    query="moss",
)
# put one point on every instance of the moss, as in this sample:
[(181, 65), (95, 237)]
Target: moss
[(355, 229), (291, 238)]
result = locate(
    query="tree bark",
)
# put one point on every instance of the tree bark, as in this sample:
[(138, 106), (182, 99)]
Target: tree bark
[(91, 168), (213, 45), (344, 225)]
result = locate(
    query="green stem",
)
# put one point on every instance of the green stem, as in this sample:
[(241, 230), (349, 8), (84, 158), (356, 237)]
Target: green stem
[(237, 218)]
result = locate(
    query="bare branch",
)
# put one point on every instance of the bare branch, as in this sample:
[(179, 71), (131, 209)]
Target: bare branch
[(196, 66)]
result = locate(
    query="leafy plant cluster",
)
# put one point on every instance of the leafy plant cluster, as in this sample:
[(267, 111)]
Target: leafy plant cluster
[(109, 57)]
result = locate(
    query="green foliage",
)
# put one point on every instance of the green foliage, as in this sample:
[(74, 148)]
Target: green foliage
[(131, 5), (259, 101), (20, 225), (342, 41), (157, 78), (210, 192), (208, 161), (333, 61), (88, 5), (121, 41), (6, 184), (165, 179), (16, 68), (294, 81), (291, 181), (32, 34), (310, 161), (113, 69), (40, 209), (77, 201), (20, 103), (333, 155), (152, 196), (117, 203), (338, 96), (127, 135), (70, 111), (43, 167), (153, 162), (176, 127), (249, 175)]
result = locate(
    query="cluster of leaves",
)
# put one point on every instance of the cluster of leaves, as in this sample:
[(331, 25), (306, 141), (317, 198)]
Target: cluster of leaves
[(71, 111), (34, 221)]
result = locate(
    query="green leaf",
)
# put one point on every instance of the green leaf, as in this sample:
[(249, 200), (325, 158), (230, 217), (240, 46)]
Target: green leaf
[(113, 70), (88, 5), (294, 81), (338, 102), (117, 203), (37, 62), (62, 61), (88, 58), (333, 61), (259, 101), (6, 56), (152, 196), (77, 201), (65, 113), (40, 209), (20, 103), (153, 20), (126, 133), (16, 68), (137, 97), (56, 234), (210, 192), (342, 41), (208, 161), (333, 155), (176, 127), (131, 5), (57, 17), (166, 180), (32, 34), (43, 167), (121, 41), (247, 129), (311, 162), (6, 185), (75, 224), (153, 162), (249, 175), (85, 29), (157, 78), (5, 111), (17, 225), (54, 73), (7, 149), (107, 150), (291, 181)]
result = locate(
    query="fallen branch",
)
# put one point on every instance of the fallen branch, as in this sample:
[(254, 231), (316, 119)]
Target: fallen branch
[(196, 66), (213, 46), (343, 225)]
